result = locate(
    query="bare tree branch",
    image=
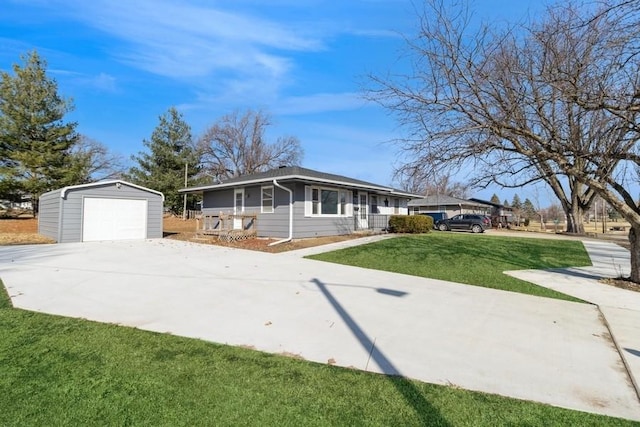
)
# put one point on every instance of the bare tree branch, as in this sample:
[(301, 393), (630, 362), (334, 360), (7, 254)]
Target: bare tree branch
[(235, 146)]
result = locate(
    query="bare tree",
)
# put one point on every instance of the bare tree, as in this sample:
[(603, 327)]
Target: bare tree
[(235, 145), (502, 103), (418, 182), (93, 161), (555, 100)]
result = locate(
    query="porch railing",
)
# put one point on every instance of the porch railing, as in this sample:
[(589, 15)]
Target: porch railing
[(375, 222), (229, 227)]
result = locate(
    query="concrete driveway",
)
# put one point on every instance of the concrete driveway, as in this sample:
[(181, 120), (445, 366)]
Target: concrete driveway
[(500, 342)]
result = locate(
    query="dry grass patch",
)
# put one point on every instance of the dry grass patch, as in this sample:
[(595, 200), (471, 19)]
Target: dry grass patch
[(21, 231)]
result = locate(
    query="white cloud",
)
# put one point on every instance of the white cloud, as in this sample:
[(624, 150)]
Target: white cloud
[(319, 103), (103, 82), (184, 40)]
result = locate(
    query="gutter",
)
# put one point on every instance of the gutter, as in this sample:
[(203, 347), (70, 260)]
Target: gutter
[(288, 239)]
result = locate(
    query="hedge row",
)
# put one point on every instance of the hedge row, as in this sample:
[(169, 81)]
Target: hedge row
[(410, 223)]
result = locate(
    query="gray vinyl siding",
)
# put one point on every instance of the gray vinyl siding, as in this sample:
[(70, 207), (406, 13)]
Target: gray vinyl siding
[(215, 202), (49, 214), (68, 214), (304, 227), (275, 224)]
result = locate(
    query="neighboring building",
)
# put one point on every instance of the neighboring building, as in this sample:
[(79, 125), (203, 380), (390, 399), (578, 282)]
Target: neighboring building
[(447, 204), (106, 210), (501, 215), (296, 202)]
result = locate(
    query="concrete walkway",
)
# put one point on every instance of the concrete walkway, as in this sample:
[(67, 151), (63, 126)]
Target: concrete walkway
[(527, 347), (619, 307)]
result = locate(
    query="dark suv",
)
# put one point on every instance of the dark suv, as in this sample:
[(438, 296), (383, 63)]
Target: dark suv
[(474, 222)]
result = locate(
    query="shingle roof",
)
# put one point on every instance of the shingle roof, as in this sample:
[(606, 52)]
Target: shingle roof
[(299, 173)]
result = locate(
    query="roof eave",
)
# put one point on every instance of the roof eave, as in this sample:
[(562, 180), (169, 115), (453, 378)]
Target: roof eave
[(64, 190), (283, 178)]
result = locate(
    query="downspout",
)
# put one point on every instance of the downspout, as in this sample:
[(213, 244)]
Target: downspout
[(60, 214), (288, 239)]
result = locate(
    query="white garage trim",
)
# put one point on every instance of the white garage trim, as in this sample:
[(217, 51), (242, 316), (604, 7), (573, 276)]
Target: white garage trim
[(113, 219), (117, 182)]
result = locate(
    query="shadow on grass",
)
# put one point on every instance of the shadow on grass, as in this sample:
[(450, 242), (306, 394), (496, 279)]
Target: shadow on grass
[(425, 411)]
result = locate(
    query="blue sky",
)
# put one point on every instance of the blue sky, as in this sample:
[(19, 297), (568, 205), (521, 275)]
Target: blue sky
[(124, 63)]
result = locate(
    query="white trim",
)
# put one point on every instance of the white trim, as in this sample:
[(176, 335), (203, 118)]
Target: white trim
[(288, 177), (273, 195), (308, 202), (363, 223), (115, 182), (290, 237), (237, 191)]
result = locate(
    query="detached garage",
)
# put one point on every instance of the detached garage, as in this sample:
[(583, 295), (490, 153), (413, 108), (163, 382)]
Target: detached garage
[(106, 210)]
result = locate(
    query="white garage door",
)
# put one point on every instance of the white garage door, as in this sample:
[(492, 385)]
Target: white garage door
[(113, 219)]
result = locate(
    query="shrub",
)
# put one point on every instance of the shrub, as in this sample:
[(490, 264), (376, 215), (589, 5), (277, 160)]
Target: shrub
[(526, 222), (410, 223)]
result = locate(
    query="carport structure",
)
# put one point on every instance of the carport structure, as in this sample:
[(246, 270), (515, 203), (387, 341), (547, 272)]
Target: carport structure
[(104, 210)]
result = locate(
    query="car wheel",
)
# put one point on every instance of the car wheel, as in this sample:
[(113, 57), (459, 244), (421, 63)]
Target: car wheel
[(443, 227), (476, 228)]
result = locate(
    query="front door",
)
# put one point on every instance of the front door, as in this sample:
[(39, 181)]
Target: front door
[(238, 207), (363, 211)]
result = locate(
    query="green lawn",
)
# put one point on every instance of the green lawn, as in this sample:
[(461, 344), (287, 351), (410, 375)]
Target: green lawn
[(467, 258), (62, 371)]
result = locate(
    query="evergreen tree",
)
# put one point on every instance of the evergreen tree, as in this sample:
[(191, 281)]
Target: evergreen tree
[(35, 142), (505, 203), (515, 202), (170, 151), (528, 210), (495, 199)]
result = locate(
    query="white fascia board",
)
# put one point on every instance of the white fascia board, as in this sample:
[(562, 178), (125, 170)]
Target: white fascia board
[(407, 195), (63, 192), (282, 178)]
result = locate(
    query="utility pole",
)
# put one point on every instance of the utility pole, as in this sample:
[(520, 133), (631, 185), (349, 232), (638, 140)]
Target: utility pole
[(184, 206)]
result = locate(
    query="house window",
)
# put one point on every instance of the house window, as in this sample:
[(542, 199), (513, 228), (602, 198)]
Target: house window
[(327, 202), (396, 206), (267, 199), (315, 201), (374, 204)]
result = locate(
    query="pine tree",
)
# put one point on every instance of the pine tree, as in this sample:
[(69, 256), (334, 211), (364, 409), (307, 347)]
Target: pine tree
[(528, 210), (506, 203), (35, 142), (495, 199), (170, 151), (515, 202)]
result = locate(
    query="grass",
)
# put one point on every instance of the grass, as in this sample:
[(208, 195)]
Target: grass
[(467, 258), (63, 371)]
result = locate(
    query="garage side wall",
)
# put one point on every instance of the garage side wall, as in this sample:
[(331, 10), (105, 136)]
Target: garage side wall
[(73, 205), (49, 214)]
